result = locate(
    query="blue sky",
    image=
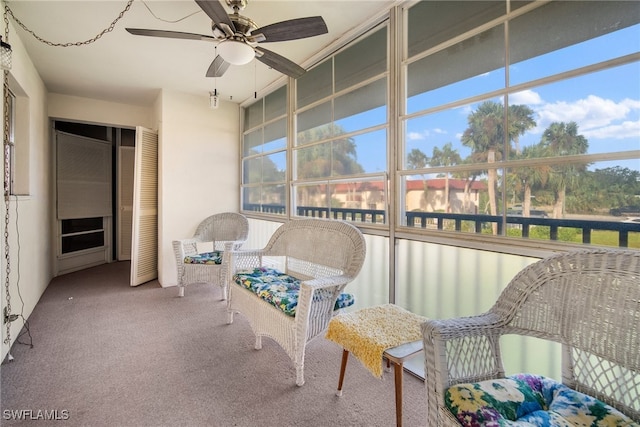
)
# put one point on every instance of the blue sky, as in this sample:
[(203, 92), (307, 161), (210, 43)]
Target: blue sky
[(604, 104), (607, 115)]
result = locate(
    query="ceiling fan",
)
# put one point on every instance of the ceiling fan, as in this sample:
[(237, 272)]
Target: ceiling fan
[(238, 37)]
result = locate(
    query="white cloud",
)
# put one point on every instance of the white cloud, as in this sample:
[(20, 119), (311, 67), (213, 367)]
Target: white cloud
[(628, 129), (527, 97), (438, 130), (416, 136), (596, 117), (465, 110)]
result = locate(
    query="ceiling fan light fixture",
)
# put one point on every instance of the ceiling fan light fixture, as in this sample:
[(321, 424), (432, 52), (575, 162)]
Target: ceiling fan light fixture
[(236, 52)]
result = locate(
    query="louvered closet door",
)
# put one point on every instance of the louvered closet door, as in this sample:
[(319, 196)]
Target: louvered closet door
[(144, 245)]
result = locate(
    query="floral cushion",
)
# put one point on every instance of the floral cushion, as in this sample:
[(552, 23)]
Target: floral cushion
[(204, 258), (529, 400), (281, 290)]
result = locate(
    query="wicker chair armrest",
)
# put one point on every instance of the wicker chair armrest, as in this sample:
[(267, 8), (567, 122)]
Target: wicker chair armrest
[(244, 259), (449, 329), (184, 247), (313, 315), (461, 350), (327, 282)]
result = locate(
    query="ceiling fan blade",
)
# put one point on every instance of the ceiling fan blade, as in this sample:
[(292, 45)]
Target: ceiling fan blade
[(280, 63), (217, 67), (169, 34), (217, 13), (293, 29)]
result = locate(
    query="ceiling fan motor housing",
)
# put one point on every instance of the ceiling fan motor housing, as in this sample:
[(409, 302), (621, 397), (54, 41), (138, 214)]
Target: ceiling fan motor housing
[(237, 4), (243, 24)]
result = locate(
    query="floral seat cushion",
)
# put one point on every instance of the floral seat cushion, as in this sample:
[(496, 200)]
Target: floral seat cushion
[(281, 290), (529, 400), (204, 258)]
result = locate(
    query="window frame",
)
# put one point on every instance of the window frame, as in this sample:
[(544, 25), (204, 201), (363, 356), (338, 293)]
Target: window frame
[(329, 99), (261, 125), (10, 147), (396, 21)]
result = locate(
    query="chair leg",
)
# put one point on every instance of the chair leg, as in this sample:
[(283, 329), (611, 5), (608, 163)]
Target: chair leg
[(258, 345), (180, 291), (343, 368), (398, 370), (300, 375)]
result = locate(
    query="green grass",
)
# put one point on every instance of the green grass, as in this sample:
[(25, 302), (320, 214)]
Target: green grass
[(610, 238), (574, 235)]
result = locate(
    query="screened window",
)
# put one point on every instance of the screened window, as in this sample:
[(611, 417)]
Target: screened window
[(340, 152), (502, 118), (264, 154), (534, 117)]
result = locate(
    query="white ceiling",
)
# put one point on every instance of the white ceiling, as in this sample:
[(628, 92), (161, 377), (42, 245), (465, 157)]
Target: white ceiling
[(121, 67)]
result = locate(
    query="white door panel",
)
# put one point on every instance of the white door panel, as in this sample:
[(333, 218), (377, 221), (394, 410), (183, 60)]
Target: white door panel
[(144, 245)]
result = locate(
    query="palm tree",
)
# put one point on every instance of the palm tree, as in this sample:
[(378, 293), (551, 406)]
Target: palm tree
[(469, 178), (532, 176), (520, 120), (446, 156), (487, 138), (562, 139), (339, 157), (416, 159)]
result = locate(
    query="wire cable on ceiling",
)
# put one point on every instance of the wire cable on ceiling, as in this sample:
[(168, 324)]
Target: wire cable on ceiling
[(166, 20), (8, 11)]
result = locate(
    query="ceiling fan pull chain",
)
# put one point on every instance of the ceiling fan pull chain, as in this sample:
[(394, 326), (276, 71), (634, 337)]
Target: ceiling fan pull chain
[(110, 28)]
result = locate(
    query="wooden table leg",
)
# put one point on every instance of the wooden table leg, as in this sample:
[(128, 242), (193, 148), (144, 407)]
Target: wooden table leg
[(398, 383), (343, 368)]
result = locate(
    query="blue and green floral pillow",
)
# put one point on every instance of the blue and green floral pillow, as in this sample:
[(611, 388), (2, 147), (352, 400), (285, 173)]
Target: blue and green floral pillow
[(204, 258), (281, 290), (529, 400)]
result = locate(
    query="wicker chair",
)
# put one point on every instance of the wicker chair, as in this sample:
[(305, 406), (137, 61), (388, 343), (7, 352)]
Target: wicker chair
[(589, 301), (325, 255), (220, 233)]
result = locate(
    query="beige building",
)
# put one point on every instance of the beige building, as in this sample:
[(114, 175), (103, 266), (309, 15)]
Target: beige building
[(431, 195), (427, 196)]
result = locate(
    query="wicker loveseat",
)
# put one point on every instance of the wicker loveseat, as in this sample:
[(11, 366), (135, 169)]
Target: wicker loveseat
[(202, 259), (290, 289), (589, 301)]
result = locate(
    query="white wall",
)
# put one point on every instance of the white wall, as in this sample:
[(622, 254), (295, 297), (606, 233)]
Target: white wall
[(87, 110), (30, 260), (198, 156)]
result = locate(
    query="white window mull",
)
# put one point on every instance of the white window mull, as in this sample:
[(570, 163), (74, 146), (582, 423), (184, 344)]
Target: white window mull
[(83, 177)]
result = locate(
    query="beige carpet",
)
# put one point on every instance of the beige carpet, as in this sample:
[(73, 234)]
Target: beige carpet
[(106, 354)]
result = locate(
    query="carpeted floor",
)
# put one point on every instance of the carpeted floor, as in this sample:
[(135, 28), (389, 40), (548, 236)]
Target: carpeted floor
[(106, 354)]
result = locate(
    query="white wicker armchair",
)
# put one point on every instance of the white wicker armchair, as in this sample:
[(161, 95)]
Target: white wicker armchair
[(589, 301), (325, 255), (222, 232)]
